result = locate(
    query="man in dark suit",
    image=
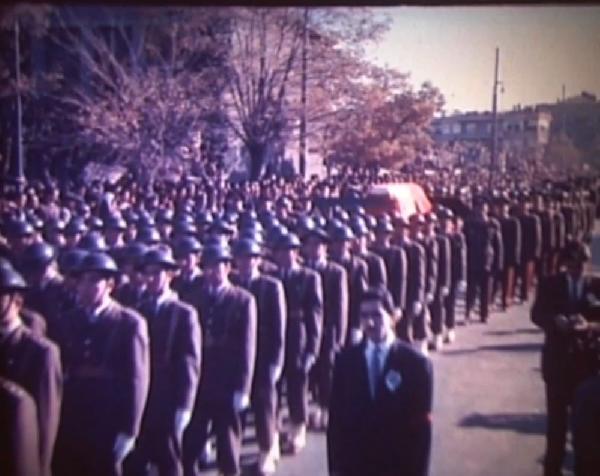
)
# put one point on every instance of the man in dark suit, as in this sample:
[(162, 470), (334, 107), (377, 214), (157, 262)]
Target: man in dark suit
[(32, 362), (228, 320), (380, 420), (304, 300), (335, 319), (270, 347), (106, 360), (458, 269), (175, 341), (565, 303)]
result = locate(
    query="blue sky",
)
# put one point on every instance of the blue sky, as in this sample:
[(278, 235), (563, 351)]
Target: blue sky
[(541, 48)]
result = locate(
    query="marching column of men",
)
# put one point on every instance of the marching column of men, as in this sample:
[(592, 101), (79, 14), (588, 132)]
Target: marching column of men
[(139, 335)]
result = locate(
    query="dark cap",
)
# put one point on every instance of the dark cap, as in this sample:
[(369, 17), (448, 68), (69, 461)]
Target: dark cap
[(160, 255), (11, 280), (213, 254), (247, 247), (98, 262)]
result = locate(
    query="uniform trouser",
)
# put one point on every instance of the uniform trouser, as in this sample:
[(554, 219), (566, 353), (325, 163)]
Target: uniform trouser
[(160, 446), (411, 327), (508, 286), (296, 380), (526, 271), (586, 427), (450, 308), (226, 425), (543, 265), (321, 378), (479, 283), (437, 311), (264, 407), (557, 403), (496, 285)]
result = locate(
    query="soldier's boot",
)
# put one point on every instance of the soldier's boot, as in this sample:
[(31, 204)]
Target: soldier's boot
[(420, 345), (437, 342), (298, 437), (276, 449), (314, 421), (450, 336), (266, 463)]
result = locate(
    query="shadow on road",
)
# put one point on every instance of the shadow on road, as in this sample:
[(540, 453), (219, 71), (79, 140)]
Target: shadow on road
[(525, 347), (514, 332), (529, 423)]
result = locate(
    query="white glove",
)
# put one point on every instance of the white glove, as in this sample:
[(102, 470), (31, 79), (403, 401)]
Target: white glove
[(308, 363), (182, 419), (462, 286), (429, 298), (356, 335), (274, 373), (240, 401), (123, 446), (417, 308)]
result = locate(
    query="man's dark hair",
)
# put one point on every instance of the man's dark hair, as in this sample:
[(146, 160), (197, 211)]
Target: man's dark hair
[(382, 296)]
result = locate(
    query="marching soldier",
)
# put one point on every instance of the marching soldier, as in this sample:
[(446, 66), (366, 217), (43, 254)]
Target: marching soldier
[(442, 286), (174, 367), (186, 250), (106, 361), (335, 319), (32, 362), (511, 237), (413, 326), (458, 272), (270, 348), (480, 259), (228, 321), (531, 247), (46, 294), (131, 289), (341, 238), (304, 300), (394, 258), (376, 267)]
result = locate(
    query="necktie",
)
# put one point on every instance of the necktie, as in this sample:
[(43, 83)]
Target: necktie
[(375, 369)]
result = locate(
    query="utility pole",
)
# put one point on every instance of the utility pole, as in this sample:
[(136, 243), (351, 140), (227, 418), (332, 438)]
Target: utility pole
[(494, 148), (302, 158)]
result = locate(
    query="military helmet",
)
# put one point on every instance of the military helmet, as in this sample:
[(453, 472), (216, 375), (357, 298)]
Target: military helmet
[(186, 245), (93, 241), (39, 254), (148, 235), (75, 226), (160, 255), (100, 262), (341, 233), (70, 260), (286, 241), (247, 247), (11, 280), (215, 253), (19, 228)]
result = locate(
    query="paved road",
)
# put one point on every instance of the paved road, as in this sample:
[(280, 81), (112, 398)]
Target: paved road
[(489, 417)]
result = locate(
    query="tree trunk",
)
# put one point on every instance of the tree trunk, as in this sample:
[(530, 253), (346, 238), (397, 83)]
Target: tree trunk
[(259, 157)]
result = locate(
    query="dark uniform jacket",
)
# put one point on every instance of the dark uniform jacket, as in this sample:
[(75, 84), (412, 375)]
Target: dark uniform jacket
[(531, 244), (387, 435), (129, 295), (416, 273), (335, 307), (304, 300), (553, 298), (186, 288), (548, 231), (175, 342), (357, 272), (33, 362), (53, 302), (271, 316), (444, 274), (377, 275), (511, 237), (228, 322), (430, 245), (34, 321), (458, 247), (394, 258), (480, 254), (107, 372), (497, 245), (560, 230), (19, 436)]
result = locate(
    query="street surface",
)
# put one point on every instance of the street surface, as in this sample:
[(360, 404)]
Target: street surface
[(489, 411)]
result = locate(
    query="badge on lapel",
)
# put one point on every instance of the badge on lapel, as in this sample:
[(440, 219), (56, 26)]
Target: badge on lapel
[(393, 380)]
